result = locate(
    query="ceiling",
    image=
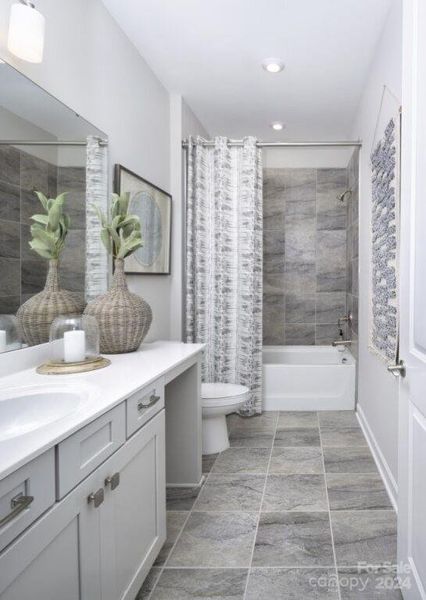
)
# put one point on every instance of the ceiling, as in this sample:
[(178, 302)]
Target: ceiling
[(211, 52)]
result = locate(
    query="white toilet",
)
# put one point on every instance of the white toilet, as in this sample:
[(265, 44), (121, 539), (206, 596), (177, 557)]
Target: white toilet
[(219, 400)]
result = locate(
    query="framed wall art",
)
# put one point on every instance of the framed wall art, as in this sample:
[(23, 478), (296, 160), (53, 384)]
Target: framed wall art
[(154, 208)]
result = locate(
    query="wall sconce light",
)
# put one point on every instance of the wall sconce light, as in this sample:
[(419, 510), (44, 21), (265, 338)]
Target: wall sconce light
[(26, 32)]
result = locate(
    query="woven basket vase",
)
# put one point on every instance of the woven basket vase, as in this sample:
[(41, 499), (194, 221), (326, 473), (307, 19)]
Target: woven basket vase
[(35, 316), (123, 318)]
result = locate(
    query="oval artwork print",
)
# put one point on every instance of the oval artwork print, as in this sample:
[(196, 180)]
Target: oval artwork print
[(146, 208)]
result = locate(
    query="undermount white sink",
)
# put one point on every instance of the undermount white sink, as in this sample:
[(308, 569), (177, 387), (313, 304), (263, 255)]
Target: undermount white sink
[(25, 410)]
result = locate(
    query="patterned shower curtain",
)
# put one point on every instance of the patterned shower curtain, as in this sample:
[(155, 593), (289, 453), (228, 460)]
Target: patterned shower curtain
[(96, 195), (224, 262)]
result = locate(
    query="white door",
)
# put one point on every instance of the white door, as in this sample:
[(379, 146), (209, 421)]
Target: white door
[(412, 436)]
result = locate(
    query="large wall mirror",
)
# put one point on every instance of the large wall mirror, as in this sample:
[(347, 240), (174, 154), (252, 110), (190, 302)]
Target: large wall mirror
[(43, 148)]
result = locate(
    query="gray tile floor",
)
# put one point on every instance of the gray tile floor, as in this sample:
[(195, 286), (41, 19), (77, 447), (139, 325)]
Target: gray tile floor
[(295, 509)]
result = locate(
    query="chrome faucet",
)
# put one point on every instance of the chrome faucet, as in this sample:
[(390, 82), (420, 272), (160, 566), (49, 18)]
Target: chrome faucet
[(342, 343), (345, 319)]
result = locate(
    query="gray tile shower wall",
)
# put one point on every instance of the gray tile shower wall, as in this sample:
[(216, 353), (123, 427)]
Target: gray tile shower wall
[(352, 233), (22, 271), (305, 255)]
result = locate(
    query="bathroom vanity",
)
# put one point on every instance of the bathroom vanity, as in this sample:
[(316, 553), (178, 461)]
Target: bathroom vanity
[(82, 489)]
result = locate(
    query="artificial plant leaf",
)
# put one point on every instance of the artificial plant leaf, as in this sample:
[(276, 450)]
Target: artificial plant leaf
[(55, 214), (39, 247), (42, 199), (61, 198), (43, 219), (106, 240), (44, 237)]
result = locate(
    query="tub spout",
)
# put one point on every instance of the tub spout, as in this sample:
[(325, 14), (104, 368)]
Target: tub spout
[(341, 343)]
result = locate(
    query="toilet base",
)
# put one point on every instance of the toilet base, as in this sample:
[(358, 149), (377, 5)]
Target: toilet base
[(215, 434)]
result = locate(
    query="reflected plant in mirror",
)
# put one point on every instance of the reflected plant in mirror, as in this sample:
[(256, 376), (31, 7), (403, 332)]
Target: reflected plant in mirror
[(124, 318), (47, 147), (48, 232)]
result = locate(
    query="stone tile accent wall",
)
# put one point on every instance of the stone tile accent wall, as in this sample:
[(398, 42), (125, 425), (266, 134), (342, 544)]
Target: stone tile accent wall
[(305, 255), (22, 271), (352, 233)]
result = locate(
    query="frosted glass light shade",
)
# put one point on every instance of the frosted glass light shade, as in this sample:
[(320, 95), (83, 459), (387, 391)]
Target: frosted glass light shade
[(26, 33)]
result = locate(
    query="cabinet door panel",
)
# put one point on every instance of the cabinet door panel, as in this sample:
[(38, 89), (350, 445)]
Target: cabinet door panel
[(133, 518), (58, 557)]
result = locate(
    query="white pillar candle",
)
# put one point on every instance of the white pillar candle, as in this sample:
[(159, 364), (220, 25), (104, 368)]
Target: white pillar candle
[(2, 340), (74, 346)]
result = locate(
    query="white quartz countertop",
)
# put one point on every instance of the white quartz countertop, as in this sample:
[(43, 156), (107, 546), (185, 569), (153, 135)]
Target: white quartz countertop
[(101, 390)]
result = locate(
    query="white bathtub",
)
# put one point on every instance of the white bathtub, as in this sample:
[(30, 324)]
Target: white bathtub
[(308, 378)]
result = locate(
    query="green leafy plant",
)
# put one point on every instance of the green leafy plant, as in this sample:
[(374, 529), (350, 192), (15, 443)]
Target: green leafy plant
[(121, 232), (50, 230)]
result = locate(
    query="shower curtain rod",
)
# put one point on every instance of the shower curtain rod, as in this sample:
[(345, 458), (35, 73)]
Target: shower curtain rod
[(352, 143), (48, 143)]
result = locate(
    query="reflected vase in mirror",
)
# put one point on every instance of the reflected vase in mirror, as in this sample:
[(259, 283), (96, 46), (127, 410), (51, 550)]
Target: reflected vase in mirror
[(49, 231), (37, 314), (123, 318)]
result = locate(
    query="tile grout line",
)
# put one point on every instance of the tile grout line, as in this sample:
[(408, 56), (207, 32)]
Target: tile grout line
[(260, 508), (164, 565), (329, 511)]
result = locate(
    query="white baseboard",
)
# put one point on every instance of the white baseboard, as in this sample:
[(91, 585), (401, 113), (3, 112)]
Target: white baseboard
[(187, 485), (382, 465)]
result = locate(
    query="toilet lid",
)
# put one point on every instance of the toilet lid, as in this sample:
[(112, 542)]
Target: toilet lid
[(222, 390)]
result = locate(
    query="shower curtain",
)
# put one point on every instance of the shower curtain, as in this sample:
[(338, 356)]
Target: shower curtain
[(224, 262), (96, 196)]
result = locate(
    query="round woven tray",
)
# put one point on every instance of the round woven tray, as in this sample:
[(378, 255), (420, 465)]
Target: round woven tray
[(63, 368)]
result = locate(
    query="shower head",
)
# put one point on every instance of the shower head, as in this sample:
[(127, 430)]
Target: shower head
[(346, 194)]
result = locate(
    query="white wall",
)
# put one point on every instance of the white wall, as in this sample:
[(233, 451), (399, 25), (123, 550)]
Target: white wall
[(13, 127), (183, 123), (378, 389), (306, 158), (90, 65)]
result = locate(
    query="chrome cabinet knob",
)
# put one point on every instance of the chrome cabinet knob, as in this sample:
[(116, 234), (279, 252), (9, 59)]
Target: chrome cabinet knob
[(96, 497), (113, 481)]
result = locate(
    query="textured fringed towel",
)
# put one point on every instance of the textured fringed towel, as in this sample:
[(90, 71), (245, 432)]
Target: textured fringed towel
[(385, 169)]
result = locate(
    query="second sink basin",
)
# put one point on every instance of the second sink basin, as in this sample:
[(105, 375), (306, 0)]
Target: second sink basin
[(26, 409)]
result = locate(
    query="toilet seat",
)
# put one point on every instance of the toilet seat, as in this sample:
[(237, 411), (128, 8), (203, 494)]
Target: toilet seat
[(221, 394)]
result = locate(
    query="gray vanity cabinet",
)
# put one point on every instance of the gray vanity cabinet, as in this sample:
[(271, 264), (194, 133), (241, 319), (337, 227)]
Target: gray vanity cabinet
[(100, 540), (133, 527), (59, 555)]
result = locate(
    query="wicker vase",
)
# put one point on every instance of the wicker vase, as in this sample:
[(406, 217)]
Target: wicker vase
[(36, 314), (123, 318)]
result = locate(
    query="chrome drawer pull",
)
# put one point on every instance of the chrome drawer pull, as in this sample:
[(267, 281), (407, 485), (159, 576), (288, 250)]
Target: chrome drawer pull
[(17, 504), (152, 400), (96, 497), (113, 481)]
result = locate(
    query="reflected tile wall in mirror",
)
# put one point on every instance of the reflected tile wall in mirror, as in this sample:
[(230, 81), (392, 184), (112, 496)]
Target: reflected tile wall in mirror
[(22, 271)]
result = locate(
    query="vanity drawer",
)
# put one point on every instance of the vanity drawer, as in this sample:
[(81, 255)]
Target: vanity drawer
[(25, 495), (144, 404), (86, 449)]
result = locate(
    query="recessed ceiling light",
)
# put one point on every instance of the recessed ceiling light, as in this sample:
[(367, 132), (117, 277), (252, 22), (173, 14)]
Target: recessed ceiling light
[(277, 125), (273, 65)]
